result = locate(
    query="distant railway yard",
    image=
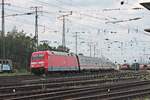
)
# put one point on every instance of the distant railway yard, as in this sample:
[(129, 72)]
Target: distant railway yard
[(110, 85)]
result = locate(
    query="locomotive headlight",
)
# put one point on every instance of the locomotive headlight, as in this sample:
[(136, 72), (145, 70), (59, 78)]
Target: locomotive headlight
[(42, 64), (32, 65), (37, 64)]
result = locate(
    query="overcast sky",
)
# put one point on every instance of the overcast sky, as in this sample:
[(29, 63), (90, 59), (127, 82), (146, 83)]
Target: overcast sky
[(104, 23)]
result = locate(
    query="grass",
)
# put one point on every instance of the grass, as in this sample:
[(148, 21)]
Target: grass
[(142, 98), (16, 73), (13, 74)]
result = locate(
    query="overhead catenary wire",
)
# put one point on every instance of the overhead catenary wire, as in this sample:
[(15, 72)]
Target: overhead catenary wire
[(93, 16), (48, 4)]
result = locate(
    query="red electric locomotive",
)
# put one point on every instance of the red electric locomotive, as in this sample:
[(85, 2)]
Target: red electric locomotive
[(50, 61)]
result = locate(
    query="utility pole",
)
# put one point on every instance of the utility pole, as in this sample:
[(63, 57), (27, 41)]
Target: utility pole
[(121, 47), (76, 41), (63, 35), (90, 49), (64, 27), (3, 28), (76, 35), (94, 50), (36, 8)]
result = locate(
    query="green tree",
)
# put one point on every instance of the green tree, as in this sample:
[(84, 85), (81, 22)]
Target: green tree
[(18, 47), (63, 49), (44, 46)]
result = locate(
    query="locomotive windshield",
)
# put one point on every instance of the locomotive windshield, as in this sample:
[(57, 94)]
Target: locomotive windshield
[(38, 57)]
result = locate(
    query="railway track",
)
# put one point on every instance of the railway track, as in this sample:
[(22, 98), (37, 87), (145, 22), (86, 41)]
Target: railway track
[(125, 94), (58, 88), (10, 80), (119, 91), (31, 79), (80, 93), (29, 87)]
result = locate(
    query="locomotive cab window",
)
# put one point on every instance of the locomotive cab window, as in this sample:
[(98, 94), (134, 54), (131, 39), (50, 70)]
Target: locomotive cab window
[(38, 57)]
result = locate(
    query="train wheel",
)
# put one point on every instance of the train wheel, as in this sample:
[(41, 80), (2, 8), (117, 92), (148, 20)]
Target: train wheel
[(38, 71)]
